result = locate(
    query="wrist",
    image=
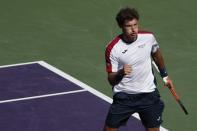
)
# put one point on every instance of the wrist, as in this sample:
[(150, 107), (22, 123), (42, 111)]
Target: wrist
[(163, 72), (120, 73), (165, 79)]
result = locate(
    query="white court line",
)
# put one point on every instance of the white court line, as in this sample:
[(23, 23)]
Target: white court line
[(26, 63), (41, 96), (85, 86), (74, 80)]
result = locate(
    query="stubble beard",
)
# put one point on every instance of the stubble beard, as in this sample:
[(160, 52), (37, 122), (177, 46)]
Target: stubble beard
[(131, 37)]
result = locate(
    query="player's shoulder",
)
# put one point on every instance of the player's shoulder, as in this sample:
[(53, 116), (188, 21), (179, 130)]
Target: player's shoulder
[(146, 34)]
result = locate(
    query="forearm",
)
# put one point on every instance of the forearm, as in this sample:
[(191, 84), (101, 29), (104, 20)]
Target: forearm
[(115, 77), (159, 61)]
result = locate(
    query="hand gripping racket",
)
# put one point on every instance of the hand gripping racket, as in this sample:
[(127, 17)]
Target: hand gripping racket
[(172, 90)]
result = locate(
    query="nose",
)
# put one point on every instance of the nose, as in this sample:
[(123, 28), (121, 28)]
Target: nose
[(132, 29)]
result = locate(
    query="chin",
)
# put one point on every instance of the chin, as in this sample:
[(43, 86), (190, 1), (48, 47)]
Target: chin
[(133, 37)]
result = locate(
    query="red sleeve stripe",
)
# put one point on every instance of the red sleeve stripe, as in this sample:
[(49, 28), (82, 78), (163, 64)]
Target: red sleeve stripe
[(107, 53), (144, 32)]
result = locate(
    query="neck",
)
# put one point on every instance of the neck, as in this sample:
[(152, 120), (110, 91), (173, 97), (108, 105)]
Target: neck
[(127, 39)]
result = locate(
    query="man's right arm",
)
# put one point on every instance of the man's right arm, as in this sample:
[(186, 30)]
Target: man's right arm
[(115, 77)]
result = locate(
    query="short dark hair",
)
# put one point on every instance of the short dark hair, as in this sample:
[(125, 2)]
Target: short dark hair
[(126, 14)]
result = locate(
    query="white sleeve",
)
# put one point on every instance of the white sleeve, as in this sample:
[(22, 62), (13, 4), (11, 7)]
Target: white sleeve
[(155, 45), (114, 62), (111, 62)]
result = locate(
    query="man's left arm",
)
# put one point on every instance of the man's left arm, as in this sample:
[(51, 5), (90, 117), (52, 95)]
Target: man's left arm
[(159, 61)]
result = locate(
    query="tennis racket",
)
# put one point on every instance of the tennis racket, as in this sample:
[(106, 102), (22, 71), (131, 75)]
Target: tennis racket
[(172, 90)]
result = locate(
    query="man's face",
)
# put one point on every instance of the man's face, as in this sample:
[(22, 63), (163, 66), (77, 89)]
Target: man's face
[(130, 29)]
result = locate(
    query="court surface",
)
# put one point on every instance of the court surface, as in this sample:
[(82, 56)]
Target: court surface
[(36, 96)]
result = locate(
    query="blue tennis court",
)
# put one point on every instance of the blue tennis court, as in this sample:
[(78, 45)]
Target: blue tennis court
[(36, 96)]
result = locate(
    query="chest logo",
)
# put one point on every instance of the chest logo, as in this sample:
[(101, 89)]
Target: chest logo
[(141, 46)]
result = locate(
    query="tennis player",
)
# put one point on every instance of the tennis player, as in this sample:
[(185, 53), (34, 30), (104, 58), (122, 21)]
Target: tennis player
[(128, 64)]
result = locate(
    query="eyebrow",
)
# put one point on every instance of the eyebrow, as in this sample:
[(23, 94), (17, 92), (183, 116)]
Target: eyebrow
[(130, 24)]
